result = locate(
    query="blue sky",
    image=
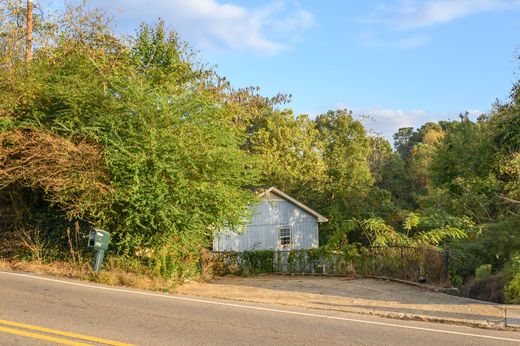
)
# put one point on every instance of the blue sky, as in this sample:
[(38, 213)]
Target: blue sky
[(401, 62)]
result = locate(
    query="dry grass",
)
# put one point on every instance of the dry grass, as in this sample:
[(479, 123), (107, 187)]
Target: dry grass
[(63, 269), (114, 275)]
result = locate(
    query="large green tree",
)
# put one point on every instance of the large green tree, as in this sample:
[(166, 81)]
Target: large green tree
[(290, 154), (170, 149), (346, 148)]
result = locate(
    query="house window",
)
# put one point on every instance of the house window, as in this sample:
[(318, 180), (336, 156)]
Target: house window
[(285, 236)]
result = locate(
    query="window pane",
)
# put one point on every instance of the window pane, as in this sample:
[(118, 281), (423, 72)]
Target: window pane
[(285, 232), (285, 236)]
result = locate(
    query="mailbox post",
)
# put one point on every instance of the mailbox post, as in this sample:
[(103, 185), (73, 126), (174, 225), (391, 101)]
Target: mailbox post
[(98, 239)]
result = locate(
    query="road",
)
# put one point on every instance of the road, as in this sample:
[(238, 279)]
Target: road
[(36, 310)]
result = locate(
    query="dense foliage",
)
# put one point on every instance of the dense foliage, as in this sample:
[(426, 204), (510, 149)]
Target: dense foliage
[(139, 136), (140, 118)]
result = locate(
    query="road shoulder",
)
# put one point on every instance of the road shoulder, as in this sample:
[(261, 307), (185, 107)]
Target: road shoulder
[(363, 296)]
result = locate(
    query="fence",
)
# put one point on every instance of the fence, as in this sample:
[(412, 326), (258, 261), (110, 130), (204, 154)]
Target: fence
[(400, 262)]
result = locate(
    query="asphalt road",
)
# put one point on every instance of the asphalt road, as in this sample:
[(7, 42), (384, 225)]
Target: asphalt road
[(45, 311)]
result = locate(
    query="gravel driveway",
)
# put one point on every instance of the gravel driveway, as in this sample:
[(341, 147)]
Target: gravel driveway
[(368, 296)]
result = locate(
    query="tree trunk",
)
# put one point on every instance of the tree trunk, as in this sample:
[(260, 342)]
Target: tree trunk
[(28, 41)]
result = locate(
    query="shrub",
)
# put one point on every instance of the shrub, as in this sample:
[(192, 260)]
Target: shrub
[(259, 261), (512, 271), (490, 289), (512, 291), (483, 271), (71, 176)]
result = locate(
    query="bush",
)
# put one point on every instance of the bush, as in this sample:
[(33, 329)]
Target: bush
[(483, 271), (512, 291), (512, 271), (259, 261), (71, 176), (489, 289)]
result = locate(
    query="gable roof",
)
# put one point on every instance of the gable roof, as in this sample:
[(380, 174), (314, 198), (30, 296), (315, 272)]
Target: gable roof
[(289, 199)]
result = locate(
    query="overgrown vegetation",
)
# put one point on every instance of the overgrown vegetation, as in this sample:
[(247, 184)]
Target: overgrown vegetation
[(133, 136), (139, 136), (399, 262)]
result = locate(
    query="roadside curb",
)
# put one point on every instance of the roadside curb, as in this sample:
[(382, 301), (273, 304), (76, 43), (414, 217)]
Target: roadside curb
[(446, 290)]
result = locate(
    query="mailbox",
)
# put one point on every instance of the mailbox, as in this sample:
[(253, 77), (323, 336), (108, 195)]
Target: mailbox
[(99, 239)]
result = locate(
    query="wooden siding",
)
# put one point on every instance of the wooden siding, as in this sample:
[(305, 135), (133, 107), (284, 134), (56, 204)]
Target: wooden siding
[(271, 214)]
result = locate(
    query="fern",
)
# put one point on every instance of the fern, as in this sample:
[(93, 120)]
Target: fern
[(379, 233), (411, 221), (437, 236)]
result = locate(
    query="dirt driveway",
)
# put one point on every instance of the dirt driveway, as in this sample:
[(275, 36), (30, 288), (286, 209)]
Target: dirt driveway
[(368, 296)]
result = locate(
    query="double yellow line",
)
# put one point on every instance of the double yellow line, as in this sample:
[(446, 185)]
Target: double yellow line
[(28, 330)]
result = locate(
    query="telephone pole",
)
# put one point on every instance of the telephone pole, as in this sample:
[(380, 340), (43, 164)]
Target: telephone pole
[(28, 40)]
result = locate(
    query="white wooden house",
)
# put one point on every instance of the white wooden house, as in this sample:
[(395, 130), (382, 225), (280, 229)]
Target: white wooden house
[(279, 222)]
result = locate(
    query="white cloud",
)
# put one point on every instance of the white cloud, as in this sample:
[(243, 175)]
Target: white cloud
[(385, 122), (395, 24), (211, 24), (408, 14)]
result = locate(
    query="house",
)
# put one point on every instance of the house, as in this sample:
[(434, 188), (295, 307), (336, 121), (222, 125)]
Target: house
[(279, 222)]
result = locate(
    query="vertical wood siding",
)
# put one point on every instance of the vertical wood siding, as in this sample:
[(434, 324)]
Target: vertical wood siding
[(271, 214)]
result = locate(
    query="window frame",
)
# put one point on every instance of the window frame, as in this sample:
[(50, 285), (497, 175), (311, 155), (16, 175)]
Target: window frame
[(290, 236)]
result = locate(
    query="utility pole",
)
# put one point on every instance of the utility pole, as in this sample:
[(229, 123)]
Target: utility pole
[(28, 40)]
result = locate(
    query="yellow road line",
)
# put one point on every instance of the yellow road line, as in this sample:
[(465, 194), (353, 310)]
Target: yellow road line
[(42, 337), (62, 333)]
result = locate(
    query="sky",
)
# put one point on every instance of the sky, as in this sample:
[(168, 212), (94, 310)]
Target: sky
[(400, 62)]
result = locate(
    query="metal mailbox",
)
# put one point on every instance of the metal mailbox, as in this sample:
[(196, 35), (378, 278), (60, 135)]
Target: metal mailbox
[(99, 240)]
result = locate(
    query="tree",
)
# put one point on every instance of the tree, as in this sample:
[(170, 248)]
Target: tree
[(380, 153), (28, 37), (464, 152), (289, 153), (345, 151), (402, 141), (406, 138), (421, 158), (395, 179), (170, 151)]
